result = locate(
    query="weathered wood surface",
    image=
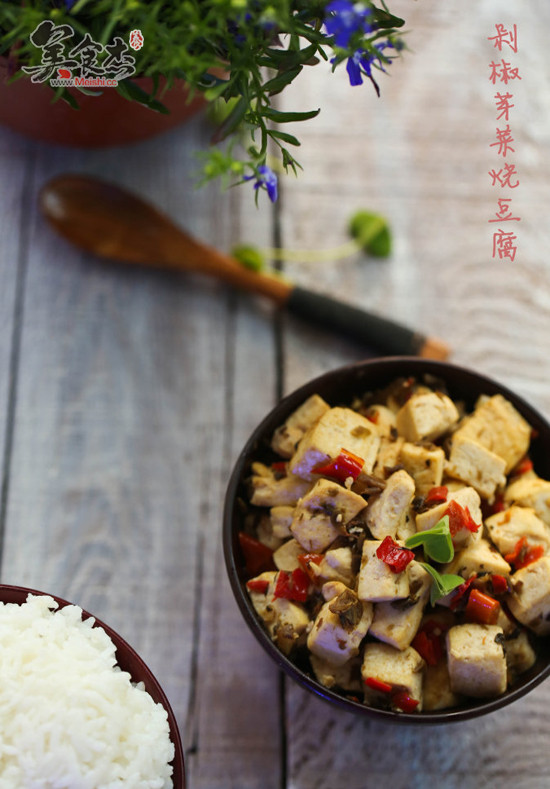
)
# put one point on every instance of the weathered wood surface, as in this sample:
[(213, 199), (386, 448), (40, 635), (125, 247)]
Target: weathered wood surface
[(126, 395), (422, 158)]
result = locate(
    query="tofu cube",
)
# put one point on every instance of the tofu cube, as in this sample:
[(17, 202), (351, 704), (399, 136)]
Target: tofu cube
[(506, 622), (451, 484), (347, 676), (285, 620), (529, 601), (264, 532), (499, 427), (388, 511), (336, 565), (424, 464), (396, 623), (376, 582), (506, 528), (340, 626), (384, 419), (479, 557), (261, 470), (281, 518), (401, 389), (261, 600), (530, 492), (426, 416), (476, 465), (337, 429), (388, 455), (467, 498), (286, 437), (438, 694), (407, 527), (401, 669), (520, 655), (286, 557), (476, 661), (322, 514), (269, 491), (332, 589)]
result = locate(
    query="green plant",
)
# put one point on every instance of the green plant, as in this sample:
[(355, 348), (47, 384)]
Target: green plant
[(241, 53)]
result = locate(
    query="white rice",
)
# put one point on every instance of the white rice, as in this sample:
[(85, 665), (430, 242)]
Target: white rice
[(69, 717)]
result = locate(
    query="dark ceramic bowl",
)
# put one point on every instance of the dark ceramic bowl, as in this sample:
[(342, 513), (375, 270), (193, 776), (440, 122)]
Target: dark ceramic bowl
[(339, 387), (128, 660)]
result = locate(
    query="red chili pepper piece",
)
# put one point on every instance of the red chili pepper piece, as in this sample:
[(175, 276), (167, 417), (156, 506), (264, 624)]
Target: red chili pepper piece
[(279, 467), (393, 555), (523, 466), (460, 592), (292, 586), (428, 647), (499, 584), (282, 585), (460, 518), (378, 684), (423, 646), (434, 628), (373, 417), (300, 585), (524, 554), (404, 701), (258, 558), (258, 585), (306, 560), (520, 546), (531, 555), (437, 494), (498, 504), (340, 468), (482, 608)]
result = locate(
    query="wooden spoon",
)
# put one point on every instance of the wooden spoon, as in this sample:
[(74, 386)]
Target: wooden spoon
[(102, 218)]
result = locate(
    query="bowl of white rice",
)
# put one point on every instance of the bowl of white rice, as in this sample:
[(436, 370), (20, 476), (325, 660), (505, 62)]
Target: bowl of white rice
[(79, 709)]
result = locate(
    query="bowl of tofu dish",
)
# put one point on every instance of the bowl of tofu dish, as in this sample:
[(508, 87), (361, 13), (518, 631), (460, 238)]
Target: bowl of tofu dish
[(387, 539)]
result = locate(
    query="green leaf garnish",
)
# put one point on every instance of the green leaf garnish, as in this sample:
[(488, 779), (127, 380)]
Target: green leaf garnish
[(443, 583), (437, 542)]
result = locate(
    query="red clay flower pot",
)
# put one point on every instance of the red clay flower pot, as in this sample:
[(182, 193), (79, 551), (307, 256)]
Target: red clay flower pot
[(107, 119)]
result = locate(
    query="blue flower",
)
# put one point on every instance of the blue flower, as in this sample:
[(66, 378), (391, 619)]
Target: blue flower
[(361, 63), (267, 179), (234, 29), (358, 64), (69, 4), (345, 19)]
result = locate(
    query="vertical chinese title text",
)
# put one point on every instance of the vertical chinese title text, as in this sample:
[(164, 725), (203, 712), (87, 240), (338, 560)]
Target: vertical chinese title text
[(504, 176)]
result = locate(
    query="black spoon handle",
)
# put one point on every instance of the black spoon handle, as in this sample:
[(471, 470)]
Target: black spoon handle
[(380, 333)]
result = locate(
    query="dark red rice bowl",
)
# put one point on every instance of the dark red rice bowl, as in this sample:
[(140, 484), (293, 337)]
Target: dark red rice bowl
[(128, 660)]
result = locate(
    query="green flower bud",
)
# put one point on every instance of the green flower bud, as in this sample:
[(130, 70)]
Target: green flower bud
[(372, 233), (249, 257)]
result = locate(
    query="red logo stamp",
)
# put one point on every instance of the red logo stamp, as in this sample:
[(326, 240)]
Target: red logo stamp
[(136, 39)]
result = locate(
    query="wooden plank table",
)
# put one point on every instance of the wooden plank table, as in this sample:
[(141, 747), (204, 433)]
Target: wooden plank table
[(125, 395)]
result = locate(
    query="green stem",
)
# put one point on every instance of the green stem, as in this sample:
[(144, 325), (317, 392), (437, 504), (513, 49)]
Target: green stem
[(327, 255), (312, 255)]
